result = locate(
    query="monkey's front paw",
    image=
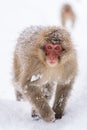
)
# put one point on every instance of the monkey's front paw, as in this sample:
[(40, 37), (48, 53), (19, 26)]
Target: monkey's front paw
[(48, 116), (58, 115), (58, 112), (34, 115)]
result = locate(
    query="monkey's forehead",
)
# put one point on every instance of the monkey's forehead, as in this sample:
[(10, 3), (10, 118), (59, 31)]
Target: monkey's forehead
[(54, 36)]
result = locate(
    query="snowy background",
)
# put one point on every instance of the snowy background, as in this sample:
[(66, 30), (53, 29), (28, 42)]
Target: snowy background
[(15, 15)]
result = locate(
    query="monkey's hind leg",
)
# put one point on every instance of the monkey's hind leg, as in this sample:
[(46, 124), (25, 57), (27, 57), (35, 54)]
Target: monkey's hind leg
[(61, 96)]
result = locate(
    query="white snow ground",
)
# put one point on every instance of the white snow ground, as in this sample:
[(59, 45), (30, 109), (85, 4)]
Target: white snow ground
[(15, 15)]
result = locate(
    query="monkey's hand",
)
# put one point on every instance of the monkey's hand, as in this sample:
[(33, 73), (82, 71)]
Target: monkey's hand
[(47, 113)]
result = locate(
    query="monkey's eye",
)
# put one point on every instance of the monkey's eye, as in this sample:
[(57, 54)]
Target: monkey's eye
[(49, 47), (57, 48)]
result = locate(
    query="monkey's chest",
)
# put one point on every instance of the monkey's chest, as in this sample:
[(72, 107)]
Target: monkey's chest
[(51, 76)]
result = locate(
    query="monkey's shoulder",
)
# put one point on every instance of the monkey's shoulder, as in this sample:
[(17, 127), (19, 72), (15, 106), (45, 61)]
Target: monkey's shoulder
[(29, 32)]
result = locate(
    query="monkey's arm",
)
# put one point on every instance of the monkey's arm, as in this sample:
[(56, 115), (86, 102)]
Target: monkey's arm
[(61, 96), (34, 94)]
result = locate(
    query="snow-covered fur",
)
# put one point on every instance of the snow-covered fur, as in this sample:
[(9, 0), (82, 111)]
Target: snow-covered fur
[(34, 79)]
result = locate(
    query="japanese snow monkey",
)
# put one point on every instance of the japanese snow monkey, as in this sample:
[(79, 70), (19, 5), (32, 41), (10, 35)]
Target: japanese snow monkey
[(67, 13), (46, 53)]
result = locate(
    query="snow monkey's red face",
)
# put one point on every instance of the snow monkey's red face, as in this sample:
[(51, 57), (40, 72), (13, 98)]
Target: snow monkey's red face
[(52, 52), (55, 45)]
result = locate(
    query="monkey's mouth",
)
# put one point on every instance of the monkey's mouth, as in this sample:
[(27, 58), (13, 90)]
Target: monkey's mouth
[(52, 63)]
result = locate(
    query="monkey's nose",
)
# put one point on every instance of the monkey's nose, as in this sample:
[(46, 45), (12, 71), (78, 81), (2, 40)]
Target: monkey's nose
[(52, 57)]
